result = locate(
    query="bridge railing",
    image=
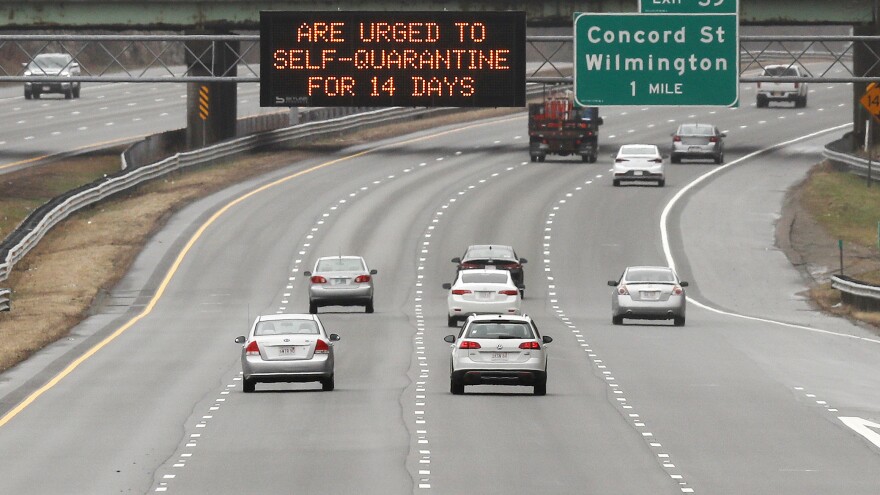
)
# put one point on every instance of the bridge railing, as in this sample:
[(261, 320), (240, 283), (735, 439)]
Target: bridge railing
[(163, 58)]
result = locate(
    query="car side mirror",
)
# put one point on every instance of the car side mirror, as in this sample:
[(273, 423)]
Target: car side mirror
[(612, 283), (307, 273), (456, 260), (450, 339), (683, 284), (334, 337), (547, 339), (447, 286), (240, 339), (374, 271), (523, 260)]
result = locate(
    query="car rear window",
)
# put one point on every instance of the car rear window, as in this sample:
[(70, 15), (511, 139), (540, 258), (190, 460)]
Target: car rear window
[(648, 275), (639, 150), (486, 253), (484, 278), (340, 265), (52, 61), (286, 327), (510, 330), (696, 130), (781, 71)]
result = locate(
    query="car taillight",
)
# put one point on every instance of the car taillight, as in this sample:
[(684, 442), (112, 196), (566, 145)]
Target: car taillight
[(622, 290), (676, 138), (470, 265), (317, 279), (656, 160), (796, 85), (677, 290), (620, 160), (713, 139), (460, 292), (252, 349), (582, 125), (362, 279), (467, 344), (321, 347), (530, 345), (508, 292), (759, 85)]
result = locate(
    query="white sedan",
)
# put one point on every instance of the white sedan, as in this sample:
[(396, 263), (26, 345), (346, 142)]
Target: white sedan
[(639, 162), (481, 292)]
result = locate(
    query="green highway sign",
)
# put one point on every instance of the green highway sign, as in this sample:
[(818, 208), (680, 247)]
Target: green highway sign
[(688, 6), (656, 59)]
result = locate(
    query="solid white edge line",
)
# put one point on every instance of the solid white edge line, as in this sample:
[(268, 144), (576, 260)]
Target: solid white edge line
[(667, 251)]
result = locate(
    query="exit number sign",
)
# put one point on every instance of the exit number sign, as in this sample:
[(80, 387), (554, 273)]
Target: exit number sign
[(656, 59), (688, 6)]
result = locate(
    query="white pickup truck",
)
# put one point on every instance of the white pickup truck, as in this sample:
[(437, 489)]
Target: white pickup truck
[(782, 91)]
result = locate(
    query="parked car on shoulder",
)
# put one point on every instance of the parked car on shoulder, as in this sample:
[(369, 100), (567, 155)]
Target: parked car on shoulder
[(51, 64)]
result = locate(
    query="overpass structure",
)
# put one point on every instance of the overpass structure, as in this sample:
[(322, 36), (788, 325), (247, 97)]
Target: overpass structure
[(218, 44)]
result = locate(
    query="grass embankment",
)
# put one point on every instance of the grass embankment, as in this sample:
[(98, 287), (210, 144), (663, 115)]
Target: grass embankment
[(849, 210)]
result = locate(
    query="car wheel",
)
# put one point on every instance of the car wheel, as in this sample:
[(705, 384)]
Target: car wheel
[(36, 95), (803, 101), (456, 387), (585, 158), (534, 158), (248, 386), (617, 320), (76, 92), (328, 384), (313, 308), (369, 307), (27, 95), (542, 158), (593, 158), (661, 182), (522, 293), (616, 182), (678, 321), (719, 159), (761, 102), (541, 387), (451, 321), (68, 94)]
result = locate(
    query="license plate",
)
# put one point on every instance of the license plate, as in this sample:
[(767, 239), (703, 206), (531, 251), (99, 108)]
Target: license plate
[(499, 356), (651, 295), (637, 172), (490, 267), (484, 295), (46, 88), (694, 148), (288, 350), (338, 281)]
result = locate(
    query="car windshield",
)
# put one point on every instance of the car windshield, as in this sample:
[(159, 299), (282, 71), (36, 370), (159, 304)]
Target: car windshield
[(649, 275), (500, 330), (638, 150), (486, 252), (468, 277), (49, 62), (781, 71), (340, 265), (696, 130), (286, 327)]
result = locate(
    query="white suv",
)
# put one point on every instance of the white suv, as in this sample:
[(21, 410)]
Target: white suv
[(498, 350), (782, 91)]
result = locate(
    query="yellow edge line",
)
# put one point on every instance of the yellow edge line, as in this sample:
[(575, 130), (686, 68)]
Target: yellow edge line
[(180, 257)]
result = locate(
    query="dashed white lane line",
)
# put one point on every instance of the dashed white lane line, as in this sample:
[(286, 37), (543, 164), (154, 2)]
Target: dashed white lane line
[(636, 420)]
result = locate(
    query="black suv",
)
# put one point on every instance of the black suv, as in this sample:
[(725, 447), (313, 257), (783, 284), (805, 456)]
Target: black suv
[(494, 256)]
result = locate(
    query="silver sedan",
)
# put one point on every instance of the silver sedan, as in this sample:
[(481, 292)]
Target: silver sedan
[(287, 348), (340, 281), (698, 141), (648, 293)]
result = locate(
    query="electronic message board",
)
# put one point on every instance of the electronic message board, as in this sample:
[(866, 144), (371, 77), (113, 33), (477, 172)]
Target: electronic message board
[(376, 59)]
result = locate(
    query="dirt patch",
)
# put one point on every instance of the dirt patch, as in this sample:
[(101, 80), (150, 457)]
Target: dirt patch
[(814, 250)]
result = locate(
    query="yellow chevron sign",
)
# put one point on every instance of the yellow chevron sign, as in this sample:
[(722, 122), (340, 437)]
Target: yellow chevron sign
[(204, 109)]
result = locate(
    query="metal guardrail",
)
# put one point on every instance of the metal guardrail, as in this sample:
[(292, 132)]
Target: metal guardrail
[(857, 293), (5, 296), (857, 165)]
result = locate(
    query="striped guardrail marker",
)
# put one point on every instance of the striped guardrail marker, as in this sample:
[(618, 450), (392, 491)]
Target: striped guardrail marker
[(5, 295)]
